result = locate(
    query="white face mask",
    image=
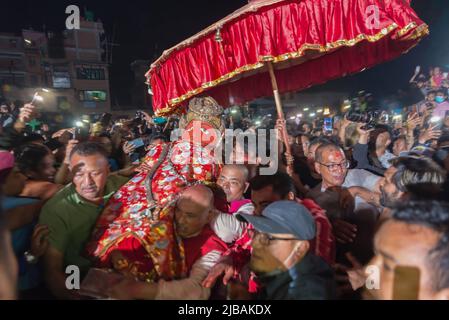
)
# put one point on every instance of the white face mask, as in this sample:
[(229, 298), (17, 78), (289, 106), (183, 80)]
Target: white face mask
[(290, 260)]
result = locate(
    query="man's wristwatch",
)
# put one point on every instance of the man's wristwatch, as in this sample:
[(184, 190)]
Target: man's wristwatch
[(30, 258)]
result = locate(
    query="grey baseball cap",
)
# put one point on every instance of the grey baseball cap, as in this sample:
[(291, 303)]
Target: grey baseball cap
[(285, 217)]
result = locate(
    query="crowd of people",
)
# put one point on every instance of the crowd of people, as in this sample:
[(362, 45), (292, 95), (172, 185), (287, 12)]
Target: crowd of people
[(143, 215)]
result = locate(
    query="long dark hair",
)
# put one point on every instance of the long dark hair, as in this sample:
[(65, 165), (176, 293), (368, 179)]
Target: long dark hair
[(30, 156)]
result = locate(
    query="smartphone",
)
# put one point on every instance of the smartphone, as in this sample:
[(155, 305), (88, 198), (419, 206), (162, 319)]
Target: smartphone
[(81, 134), (137, 143), (328, 126), (406, 283)]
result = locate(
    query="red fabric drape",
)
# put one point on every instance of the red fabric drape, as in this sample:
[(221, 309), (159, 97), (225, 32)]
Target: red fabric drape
[(310, 42)]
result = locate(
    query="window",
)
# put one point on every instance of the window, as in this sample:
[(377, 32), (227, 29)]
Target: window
[(93, 95), (61, 79), (90, 73)]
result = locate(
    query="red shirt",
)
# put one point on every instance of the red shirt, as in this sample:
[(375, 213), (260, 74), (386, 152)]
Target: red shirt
[(194, 248), (323, 245)]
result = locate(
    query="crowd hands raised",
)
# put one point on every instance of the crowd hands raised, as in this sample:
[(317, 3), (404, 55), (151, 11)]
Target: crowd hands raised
[(342, 217)]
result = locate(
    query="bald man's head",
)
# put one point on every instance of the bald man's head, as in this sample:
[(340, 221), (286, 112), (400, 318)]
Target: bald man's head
[(193, 210), (234, 181)]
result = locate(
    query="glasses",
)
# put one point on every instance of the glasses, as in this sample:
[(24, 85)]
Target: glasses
[(333, 167), (264, 238)]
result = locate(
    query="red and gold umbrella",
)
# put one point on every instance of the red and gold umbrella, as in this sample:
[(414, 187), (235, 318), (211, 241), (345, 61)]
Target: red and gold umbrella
[(277, 46)]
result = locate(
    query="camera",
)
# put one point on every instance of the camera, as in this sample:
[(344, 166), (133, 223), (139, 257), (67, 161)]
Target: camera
[(139, 121), (140, 115), (370, 118)]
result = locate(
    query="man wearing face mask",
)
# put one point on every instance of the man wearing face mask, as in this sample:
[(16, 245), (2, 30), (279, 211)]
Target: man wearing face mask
[(442, 105), (281, 257)]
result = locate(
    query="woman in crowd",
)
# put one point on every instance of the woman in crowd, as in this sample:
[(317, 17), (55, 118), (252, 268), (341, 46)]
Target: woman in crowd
[(37, 163)]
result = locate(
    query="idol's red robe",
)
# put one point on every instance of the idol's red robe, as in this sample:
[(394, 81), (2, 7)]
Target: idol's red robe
[(138, 220)]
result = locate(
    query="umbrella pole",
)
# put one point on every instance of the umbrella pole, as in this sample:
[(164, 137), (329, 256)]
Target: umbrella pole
[(277, 99)]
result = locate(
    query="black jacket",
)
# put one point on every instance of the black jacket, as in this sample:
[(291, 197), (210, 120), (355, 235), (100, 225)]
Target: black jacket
[(310, 279)]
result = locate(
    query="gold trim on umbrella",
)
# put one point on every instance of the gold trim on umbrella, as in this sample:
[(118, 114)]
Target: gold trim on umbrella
[(419, 32)]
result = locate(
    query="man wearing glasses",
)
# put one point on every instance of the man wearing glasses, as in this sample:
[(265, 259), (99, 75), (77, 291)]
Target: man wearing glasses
[(350, 198), (281, 258)]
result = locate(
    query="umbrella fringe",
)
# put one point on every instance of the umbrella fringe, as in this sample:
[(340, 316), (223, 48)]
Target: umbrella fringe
[(404, 34)]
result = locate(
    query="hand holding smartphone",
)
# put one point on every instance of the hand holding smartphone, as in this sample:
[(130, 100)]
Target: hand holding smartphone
[(137, 143), (417, 69), (328, 125)]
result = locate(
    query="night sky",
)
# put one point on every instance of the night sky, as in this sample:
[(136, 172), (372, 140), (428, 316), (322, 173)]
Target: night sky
[(143, 29)]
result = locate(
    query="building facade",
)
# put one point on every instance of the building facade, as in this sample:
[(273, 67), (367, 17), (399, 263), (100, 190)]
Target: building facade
[(71, 65)]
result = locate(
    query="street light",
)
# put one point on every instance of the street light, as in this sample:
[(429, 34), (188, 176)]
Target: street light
[(312, 115), (306, 109)]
